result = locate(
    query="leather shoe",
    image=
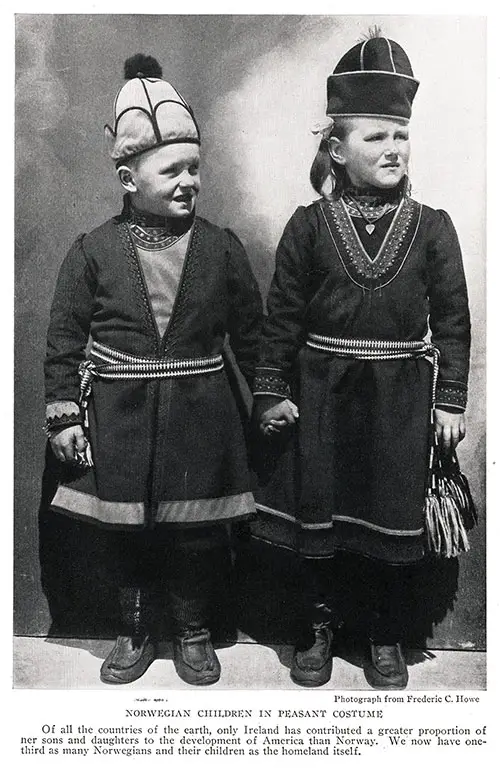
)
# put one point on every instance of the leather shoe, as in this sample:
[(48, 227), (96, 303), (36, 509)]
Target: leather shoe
[(128, 660), (195, 660), (312, 667), (387, 667)]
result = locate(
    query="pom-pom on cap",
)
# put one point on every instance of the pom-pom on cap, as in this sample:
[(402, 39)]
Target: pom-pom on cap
[(374, 78), (141, 66), (149, 112)]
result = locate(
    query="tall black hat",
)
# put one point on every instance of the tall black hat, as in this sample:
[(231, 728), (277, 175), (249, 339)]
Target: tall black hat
[(374, 78)]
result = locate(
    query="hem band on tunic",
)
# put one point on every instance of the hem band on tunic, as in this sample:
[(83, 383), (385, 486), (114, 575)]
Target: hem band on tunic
[(132, 513), (341, 535), (337, 518)]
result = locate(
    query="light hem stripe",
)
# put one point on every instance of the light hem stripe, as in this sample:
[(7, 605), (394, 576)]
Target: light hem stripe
[(133, 513), (206, 509), (337, 518), (112, 512)]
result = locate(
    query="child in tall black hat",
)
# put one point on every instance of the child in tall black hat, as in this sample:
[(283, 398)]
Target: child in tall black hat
[(347, 374), (145, 426)]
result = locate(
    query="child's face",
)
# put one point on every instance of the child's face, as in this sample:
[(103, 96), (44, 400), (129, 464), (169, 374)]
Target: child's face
[(166, 180), (375, 152)]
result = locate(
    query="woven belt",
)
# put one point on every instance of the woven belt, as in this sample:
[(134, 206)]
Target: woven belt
[(110, 364), (378, 350)]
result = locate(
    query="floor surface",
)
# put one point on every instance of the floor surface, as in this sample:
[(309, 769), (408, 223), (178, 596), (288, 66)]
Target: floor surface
[(74, 664)]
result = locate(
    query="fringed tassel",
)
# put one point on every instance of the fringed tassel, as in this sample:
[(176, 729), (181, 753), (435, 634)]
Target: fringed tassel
[(449, 508)]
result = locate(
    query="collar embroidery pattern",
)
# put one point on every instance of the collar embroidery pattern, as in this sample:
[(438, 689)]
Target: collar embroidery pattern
[(150, 231), (152, 239), (364, 271), (367, 211)]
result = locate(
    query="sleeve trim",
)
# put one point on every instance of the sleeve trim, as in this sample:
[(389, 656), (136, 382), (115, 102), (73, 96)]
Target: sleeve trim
[(451, 395), (61, 414), (271, 393), (443, 405), (270, 382)]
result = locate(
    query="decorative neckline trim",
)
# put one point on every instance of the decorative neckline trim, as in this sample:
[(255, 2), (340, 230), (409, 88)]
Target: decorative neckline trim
[(152, 239), (369, 209), (353, 233), (362, 270)]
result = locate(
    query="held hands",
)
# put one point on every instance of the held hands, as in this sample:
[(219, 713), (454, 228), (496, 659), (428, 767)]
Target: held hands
[(274, 419), (450, 429), (69, 444), (449, 426)]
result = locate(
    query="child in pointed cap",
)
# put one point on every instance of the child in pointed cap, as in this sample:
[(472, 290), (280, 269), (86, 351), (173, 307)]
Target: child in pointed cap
[(345, 372), (145, 426)]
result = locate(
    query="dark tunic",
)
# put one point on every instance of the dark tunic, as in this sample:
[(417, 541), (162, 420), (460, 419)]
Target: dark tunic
[(165, 450), (352, 473)]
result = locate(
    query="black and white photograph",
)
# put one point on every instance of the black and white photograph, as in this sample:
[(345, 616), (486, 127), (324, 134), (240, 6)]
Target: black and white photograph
[(250, 362)]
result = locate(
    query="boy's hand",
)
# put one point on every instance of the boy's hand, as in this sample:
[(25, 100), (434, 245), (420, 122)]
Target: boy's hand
[(68, 442), (274, 419), (450, 429)]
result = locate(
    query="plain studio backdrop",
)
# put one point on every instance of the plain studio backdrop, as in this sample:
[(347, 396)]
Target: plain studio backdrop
[(257, 85)]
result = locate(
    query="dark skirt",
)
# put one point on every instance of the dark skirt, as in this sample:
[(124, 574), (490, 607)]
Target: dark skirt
[(352, 473)]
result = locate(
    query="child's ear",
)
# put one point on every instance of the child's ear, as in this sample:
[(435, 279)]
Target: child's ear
[(126, 177), (335, 150)]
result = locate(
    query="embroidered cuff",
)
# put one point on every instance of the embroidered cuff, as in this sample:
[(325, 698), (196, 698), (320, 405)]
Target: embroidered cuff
[(271, 382), (451, 393), (60, 415)]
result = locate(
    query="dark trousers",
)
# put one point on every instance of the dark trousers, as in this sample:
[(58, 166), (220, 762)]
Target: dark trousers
[(187, 564)]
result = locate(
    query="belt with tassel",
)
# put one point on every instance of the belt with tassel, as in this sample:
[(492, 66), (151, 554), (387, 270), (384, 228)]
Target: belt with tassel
[(449, 507)]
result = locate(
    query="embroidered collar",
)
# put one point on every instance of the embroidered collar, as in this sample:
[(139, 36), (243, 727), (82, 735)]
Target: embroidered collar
[(153, 232), (152, 239), (370, 210), (382, 269)]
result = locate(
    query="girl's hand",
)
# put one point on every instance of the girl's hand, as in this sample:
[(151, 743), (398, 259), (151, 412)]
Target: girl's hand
[(67, 443), (450, 428), (274, 419)]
